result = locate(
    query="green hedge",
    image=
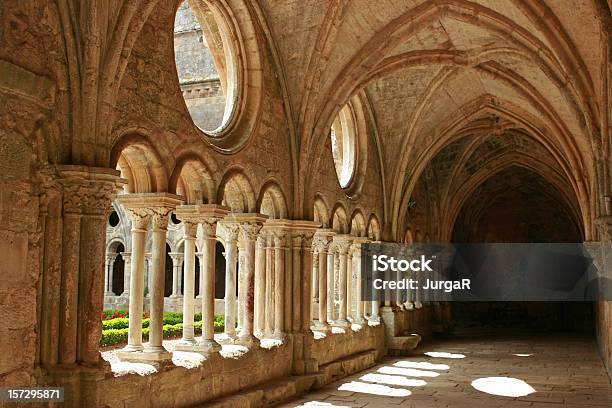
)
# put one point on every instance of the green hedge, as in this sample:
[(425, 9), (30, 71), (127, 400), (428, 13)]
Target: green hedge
[(116, 330)]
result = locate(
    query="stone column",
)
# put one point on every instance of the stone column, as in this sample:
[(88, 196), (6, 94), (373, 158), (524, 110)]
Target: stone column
[(127, 265), (177, 263), (229, 233), (108, 281), (140, 220), (207, 215), (349, 283), (78, 279), (209, 235), (330, 294), (260, 286), (321, 246), (279, 284), (358, 315), (190, 229), (342, 244), (269, 281), (159, 227), (248, 236)]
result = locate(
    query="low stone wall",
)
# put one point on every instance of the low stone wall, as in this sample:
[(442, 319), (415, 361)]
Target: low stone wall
[(337, 346), (179, 386)]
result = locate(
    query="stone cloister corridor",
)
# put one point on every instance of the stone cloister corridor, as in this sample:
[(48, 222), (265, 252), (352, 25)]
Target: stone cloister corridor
[(565, 371), (189, 190)]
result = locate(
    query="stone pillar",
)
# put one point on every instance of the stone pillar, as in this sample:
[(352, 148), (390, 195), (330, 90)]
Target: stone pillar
[(342, 244), (359, 304), (269, 303), (142, 208), (260, 286), (159, 226), (75, 297), (190, 229), (140, 219), (127, 265), (321, 247), (206, 215), (177, 263), (330, 294), (349, 283), (279, 284), (249, 229), (108, 281), (229, 233)]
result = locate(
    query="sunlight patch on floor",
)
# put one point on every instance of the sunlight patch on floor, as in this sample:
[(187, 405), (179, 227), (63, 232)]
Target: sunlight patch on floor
[(443, 354), (374, 389), (421, 365), (409, 372), (503, 386), (392, 380)]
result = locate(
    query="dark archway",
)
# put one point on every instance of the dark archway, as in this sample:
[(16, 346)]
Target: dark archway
[(118, 271), (518, 205), (219, 271), (168, 273)]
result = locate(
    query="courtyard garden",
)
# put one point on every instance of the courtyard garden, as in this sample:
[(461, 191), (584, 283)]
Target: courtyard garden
[(115, 326)]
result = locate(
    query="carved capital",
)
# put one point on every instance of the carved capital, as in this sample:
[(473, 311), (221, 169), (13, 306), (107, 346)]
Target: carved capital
[(209, 228), (228, 231), (190, 228), (139, 216), (320, 243), (249, 232), (261, 241)]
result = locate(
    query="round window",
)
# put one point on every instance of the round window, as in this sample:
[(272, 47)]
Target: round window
[(343, 145), (206, 64)]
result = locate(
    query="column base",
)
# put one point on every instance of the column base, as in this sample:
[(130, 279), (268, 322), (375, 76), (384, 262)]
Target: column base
[(418, 305), (408, 306), (208, 346), (132, 348), (185, 344), (278, 336), (146, 356), (227, 338), (359, 321), (341, 323), (373, 320), (247, 341), (174, 296), (320, 326)]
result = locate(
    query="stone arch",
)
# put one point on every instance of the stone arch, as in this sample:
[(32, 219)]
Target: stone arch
[(466, 121), (272, 202), (358, 224), (374, 229), (321, 211), (140, 163), (418, 237), (192, 179), (339, 220), (236, 191), (113, 244)]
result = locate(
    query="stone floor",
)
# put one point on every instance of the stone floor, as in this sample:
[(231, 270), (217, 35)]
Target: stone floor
[(533, 371)]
